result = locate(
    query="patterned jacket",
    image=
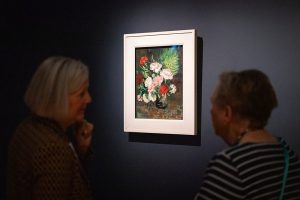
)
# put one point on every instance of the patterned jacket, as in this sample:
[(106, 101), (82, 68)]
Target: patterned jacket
[(43, 165)]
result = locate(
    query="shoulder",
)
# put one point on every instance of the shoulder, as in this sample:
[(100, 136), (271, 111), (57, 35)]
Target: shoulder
[(40, 127), (223, 160), (239, 153), (32, 134), (229, 153), (248, 150)]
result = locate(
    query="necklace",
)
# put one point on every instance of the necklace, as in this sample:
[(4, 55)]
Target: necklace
[(245, 133)]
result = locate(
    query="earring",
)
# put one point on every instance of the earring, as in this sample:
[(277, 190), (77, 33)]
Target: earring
[(242, 135)]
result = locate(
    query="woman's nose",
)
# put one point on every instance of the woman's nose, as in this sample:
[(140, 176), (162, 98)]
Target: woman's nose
[(88, 98)]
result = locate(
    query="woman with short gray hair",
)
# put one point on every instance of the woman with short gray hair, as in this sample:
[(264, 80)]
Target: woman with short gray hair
[(257, 165)]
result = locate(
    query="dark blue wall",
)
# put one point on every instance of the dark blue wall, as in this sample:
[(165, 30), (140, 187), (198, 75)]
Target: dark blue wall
[(236, 34)]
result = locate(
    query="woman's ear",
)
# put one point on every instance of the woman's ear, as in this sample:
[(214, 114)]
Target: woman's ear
[(228, 115)]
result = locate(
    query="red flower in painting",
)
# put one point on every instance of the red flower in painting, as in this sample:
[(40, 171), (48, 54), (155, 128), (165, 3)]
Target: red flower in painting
[(143, 60), (139, 78), (163, 89)]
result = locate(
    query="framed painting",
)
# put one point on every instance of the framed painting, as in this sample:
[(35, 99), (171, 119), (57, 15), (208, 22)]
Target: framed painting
[(160, 82)]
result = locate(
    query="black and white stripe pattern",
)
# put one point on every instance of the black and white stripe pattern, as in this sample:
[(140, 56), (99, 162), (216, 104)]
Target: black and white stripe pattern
[(251, 171)]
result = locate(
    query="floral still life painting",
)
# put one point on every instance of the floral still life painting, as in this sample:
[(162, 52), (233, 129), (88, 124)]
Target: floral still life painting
[(158, 82)]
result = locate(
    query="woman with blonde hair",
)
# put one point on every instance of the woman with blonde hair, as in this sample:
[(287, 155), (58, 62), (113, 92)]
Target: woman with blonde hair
[(44, 162)]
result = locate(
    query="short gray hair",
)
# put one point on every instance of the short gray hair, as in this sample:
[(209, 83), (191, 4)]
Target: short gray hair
[(56, 78), (249, 93)]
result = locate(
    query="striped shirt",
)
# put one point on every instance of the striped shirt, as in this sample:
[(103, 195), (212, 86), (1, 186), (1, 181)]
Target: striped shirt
[(251, 171)]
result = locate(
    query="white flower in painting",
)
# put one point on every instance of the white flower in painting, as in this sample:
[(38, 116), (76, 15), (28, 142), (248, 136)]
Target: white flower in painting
[(139, 98), (148, 82), (172, 89), (166, 74), (152, 97), (155, 66), (146, 100)]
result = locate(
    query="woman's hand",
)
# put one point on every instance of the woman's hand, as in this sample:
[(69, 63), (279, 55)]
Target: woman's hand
[(83, 136)]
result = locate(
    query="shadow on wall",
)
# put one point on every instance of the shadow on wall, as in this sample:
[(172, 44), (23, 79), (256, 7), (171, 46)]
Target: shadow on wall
[(192, 140)]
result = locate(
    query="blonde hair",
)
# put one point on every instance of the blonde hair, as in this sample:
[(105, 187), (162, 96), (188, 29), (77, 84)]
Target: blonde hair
[(56, 78)]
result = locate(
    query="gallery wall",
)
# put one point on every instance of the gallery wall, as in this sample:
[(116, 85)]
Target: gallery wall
[(234, 35)]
